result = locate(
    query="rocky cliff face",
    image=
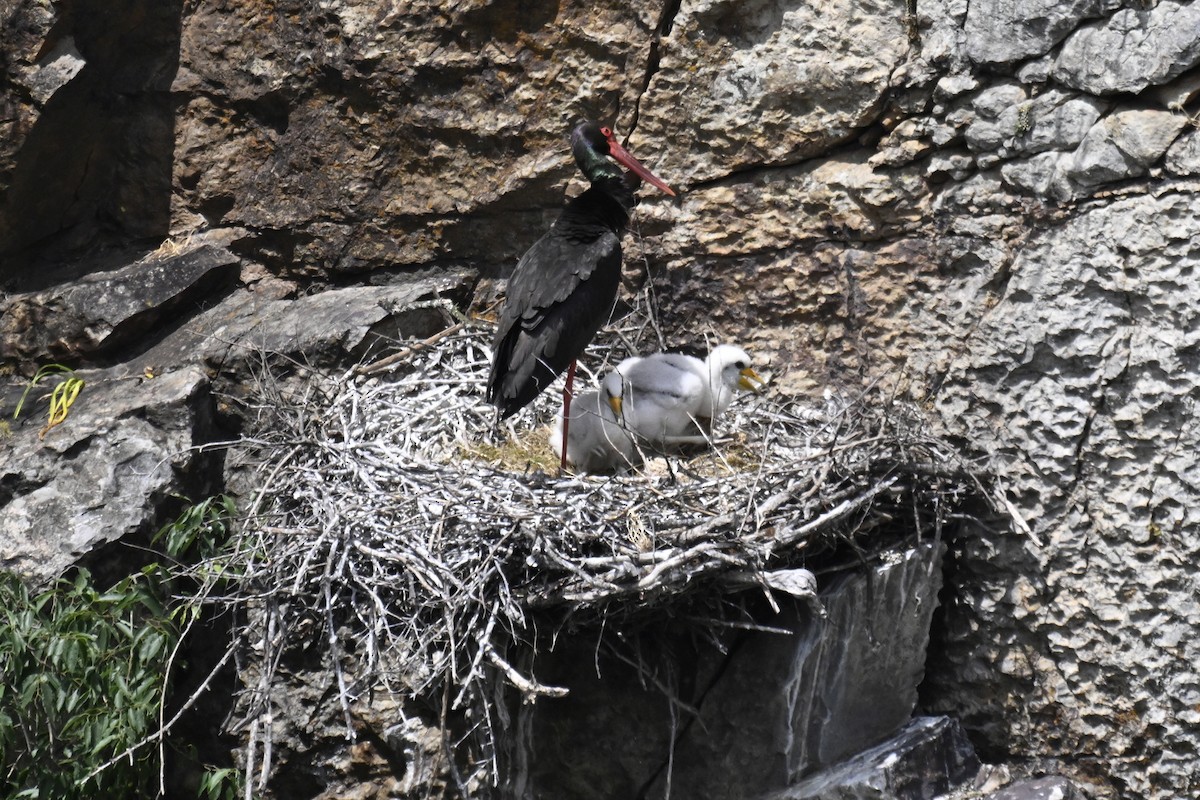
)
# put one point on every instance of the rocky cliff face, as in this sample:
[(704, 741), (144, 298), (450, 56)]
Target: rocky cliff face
[(992, 205)]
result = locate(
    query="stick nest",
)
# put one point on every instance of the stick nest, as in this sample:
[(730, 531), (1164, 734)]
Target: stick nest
[(395, 514)]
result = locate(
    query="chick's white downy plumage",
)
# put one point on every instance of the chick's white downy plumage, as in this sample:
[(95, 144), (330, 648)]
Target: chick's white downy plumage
[(671, 397), (659, 394), (596, 442)]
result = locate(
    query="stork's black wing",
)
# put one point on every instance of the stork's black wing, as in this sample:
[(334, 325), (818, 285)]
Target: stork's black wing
[(559, 295)]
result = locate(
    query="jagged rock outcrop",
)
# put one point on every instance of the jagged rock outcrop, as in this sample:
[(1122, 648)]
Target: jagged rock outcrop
[(929, 757), (111, 312), (109, 473), (1091, 340), (992, 206), (1131, 49), (766, 707), (1038, 789), (146, 432)]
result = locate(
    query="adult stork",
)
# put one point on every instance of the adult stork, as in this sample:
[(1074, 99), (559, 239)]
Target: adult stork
[(564, 287)]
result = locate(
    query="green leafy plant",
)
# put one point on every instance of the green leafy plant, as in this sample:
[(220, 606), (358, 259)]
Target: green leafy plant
[(221, 784), (201, 528), (84, 676), (62, 396), (199, 535), (82, 682)]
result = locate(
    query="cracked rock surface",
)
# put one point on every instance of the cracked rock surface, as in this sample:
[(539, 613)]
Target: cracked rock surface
[(1087, 357), (991, 205)]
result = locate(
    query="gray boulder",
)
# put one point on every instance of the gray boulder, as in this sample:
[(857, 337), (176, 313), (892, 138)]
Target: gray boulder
[(106, 474), (1183, 157), (1000, 31), (1009, 123), (1124, 145), (1050, 788), (926, 759), (1134, 48), (328, 329), (104, 312)]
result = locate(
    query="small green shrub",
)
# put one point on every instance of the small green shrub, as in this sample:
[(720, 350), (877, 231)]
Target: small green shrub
[(83, 676), (82, 682), (200, 530)]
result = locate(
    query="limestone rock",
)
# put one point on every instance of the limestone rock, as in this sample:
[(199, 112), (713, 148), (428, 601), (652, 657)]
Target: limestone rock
[(1183, 157), (778, 707), (54, 70), (955, 85), (781, 209), (1085, 354), (106, 311), (1036, 71), (999, 31), (1134, 48), (942, 37), (1124, 145), (331, 329), (953, 166), (366, 136), (763, 83), (109, 472), (397, 754), (1009, 123), (113, 469), (1043, 175), (1051, 788), (926, 759), (994, 101)]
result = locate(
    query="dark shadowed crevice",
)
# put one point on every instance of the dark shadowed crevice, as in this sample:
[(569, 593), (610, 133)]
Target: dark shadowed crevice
[(688, 721), (95, 169), (979, 553), (665, 23)]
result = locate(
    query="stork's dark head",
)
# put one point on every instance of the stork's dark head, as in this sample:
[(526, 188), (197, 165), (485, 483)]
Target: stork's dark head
[(593, 144)]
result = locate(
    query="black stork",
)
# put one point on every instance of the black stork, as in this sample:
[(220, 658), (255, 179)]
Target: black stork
[(564, 287)]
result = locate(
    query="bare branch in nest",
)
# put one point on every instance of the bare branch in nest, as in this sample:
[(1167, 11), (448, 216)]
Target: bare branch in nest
[(394, 514), (530, 689)]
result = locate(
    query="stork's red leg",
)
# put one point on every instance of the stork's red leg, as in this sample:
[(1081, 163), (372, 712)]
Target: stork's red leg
[(567, 387)]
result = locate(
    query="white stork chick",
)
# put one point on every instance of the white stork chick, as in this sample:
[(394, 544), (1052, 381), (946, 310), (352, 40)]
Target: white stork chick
[(726, 370), (596, 442), (673, 398)]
